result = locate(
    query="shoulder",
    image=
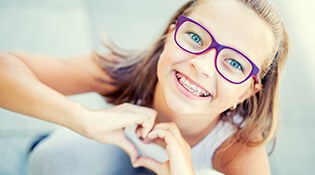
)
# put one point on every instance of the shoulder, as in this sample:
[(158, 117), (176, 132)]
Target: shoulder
[(236, 158)]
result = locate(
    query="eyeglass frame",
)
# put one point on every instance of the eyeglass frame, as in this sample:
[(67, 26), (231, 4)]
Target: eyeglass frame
[(214, 44)]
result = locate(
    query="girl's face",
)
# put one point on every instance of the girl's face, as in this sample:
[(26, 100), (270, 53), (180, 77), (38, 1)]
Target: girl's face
[(231, 24)]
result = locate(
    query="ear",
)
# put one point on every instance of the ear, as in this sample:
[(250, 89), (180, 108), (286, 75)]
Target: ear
[(171, 28), (250, 92)]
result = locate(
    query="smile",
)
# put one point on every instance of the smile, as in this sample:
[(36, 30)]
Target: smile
[(191, 86)]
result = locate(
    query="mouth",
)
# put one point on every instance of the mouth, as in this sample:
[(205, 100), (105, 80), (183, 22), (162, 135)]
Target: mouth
[(191, 88)]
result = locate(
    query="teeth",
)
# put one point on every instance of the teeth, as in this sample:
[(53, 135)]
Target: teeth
[(205, 94), (198, 90), (191, 87)]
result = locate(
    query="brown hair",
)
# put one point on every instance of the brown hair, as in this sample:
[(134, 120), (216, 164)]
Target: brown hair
[(134, 75)]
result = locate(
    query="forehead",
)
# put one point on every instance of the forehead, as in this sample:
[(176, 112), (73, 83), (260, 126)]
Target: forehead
[(235, 25)]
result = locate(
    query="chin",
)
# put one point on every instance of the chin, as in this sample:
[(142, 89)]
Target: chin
[(181, 107)]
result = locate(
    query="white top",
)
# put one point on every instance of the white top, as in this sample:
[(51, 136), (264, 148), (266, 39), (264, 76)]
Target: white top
[(201, 154)]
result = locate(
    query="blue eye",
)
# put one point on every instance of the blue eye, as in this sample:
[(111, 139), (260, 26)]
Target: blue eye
[(235, 64), (195, 38)]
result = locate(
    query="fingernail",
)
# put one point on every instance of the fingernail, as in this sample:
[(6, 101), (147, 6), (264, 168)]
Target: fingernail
[(133, 158), (144, 133), (146, 140), (135, 165), (138, 133), (151, 135)]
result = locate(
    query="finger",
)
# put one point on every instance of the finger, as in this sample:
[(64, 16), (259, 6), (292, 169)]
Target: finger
[(129, 148), (173, 148), (157, 167), (158, 141), (147, 124), (168, 126), (145, 110), (179, 154), (138, 131), (122, 119), (129, 114), (166, 135), (150, 113), (172, 127)]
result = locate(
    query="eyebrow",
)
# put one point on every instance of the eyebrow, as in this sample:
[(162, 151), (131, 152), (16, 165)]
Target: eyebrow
[(229, 45)]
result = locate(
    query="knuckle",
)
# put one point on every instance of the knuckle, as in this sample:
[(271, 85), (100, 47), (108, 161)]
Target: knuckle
[(172, 126), (125, 104), (121, 107), (141, 117), (186, 146), (148, 109), (153, 111), (153, 114), (168, 133)]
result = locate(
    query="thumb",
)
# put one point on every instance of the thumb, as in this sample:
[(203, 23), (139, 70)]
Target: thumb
[(157, 167), (129, 148)]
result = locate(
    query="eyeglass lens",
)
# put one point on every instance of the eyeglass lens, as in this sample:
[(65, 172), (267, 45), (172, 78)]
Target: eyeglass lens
[(232, 65)]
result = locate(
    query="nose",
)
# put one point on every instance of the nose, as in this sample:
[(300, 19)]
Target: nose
[(204, 63)]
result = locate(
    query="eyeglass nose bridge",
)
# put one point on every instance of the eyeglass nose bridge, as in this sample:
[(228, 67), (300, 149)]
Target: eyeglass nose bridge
[(214, 45)]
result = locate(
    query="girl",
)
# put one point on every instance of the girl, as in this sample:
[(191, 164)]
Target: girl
[(206, 92)]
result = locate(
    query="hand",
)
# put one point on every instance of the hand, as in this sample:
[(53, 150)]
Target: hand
[(107, 126), (177, 148)]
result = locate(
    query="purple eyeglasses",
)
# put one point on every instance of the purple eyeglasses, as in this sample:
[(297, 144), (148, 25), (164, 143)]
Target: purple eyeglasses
[(230, 63)]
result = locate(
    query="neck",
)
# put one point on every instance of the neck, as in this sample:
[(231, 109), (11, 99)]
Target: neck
[(192, 127)]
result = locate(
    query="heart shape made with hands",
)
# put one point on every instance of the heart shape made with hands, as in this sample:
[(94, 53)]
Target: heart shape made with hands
[(157, 152), (151, 150)]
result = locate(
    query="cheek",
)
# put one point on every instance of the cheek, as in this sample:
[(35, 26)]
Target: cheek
[(228, 93), (170, 56)]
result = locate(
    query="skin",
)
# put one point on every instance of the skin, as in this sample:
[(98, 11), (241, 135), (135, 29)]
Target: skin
[(42, 83), (238, 27)]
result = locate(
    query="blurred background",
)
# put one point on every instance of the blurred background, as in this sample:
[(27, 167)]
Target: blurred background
[(73, 27)]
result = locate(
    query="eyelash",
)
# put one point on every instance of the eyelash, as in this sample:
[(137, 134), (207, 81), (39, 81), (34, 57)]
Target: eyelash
[(239, 64), (191, 34)]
